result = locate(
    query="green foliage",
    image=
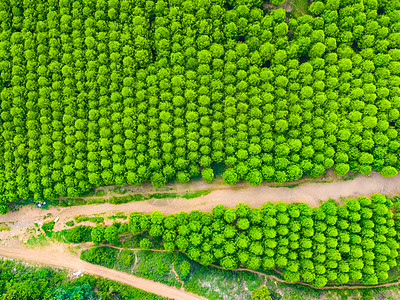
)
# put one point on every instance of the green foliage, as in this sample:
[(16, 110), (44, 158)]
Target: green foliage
[(352, 242), (119, 215), (19, 281), (184, 268), (70, 223), (78, 292), (156, 267), (48, 226), (208, 174), (71, 202), (208, 282), (213, 283), (111, 234), (388, 172), (82, 218), (230, 177), (145, 244), (261, 293), (78, 234), (123, 228), (104, 256), (126, 199), (4, 227), (97, 235), (133, 241), (100, 193), (125, 260), (119, 94)]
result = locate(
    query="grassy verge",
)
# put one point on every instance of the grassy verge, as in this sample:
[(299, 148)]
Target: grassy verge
[(82, 218), (103, 256), (4, 227), (40, 240), (127, 198), (156, 266), (213, 283), (118, 215)]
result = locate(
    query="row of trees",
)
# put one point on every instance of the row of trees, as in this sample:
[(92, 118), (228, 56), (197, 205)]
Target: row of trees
[(354, 242), (107, 92), (97, 235)]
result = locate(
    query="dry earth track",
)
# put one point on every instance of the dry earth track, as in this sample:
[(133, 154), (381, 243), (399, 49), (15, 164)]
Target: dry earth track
[(46, 257), (311, 193)]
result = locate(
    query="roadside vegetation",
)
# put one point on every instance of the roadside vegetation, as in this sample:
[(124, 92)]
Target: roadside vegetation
[(331, 245), (21, 281), (175, 269), (351, 244), (325, 241), (213, 283)]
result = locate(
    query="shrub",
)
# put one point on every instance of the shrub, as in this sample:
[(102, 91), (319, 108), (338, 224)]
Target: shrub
[(104, 256), (208, 174), (388, 172), (78, 234), (111, 234), (48, 226), (97, 235), (69, 223)]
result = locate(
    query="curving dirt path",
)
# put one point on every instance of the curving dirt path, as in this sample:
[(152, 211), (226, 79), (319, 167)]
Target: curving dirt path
[(312, 193), (57, 256), (72, 262)]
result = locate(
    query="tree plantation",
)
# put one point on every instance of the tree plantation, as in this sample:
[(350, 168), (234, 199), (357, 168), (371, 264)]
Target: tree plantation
[(337, 244), (102, 92)]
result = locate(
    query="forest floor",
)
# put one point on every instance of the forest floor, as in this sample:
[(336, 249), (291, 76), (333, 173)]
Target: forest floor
[(295, 7), (21, 223)]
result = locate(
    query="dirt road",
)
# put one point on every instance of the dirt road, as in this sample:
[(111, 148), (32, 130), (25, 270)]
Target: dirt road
[(311, 193), (70, 261), (58, 257)]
